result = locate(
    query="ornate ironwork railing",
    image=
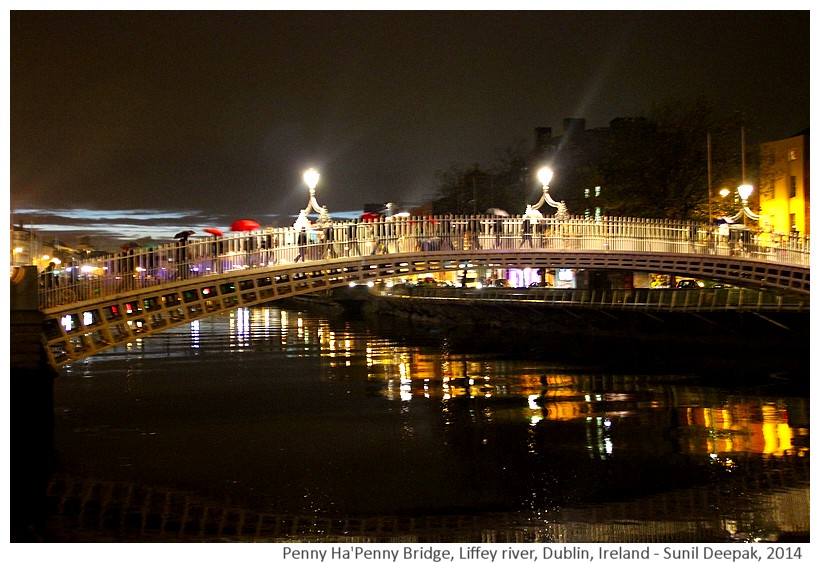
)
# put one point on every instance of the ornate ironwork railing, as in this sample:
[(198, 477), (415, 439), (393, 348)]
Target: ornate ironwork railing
[(189, 259)]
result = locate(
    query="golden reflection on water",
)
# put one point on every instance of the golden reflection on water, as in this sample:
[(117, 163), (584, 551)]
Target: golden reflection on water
[(743, 427), (709, 423)]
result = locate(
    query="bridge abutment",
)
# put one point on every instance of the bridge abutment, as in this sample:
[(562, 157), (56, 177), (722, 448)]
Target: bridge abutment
[(31, 394)]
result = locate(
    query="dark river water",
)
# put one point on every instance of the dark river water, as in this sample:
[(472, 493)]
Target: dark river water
[(270, 424)]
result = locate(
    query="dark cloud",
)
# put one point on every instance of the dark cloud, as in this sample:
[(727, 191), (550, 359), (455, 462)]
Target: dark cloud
[(222, 111)]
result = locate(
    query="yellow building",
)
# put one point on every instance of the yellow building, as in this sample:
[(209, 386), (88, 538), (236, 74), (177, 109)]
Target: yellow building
[(784, 185)]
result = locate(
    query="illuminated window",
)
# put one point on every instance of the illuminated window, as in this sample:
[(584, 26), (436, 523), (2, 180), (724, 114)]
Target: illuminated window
[(597, 191)]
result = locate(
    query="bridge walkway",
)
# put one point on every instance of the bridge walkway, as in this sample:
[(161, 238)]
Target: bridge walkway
[(451, 237), (113, 300)]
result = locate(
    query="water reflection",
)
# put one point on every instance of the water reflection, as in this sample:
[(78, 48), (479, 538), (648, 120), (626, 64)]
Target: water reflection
[(706, 421), (288, 412)]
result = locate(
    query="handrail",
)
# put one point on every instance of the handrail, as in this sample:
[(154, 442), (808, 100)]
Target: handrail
[(190, 259), (661, 300)]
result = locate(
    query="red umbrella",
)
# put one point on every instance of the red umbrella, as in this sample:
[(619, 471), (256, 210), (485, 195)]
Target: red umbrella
[(215, 232), (370, 217), (245, 225)]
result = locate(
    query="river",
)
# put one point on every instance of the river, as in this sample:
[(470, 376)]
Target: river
[(274, 424)]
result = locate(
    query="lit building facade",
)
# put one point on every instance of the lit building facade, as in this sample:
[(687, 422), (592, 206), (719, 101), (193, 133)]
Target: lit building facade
[(784, 185)]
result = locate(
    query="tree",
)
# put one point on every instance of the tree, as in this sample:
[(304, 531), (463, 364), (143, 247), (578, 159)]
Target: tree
[(473, 189), (452, 193), (660, 167), (510, 178)]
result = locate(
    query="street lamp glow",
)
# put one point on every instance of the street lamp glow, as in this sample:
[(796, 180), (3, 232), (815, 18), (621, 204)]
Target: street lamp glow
[(744, 191), (545, 175), (311, 178)]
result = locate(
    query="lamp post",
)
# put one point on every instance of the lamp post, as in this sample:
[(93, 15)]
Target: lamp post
[(311, 178), (545, 176), (302, 224), (744, 191)]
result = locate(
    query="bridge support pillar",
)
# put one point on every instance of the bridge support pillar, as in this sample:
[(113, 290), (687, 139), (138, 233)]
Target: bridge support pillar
[(31, 418)]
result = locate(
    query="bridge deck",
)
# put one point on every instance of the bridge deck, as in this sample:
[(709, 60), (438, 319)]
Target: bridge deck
[(119, 298)]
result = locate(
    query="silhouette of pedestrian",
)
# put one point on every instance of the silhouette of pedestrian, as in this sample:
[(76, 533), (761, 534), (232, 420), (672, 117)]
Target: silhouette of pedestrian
[(330, 237), (499, 231), (49, 280), (526, 233), (300, 226)]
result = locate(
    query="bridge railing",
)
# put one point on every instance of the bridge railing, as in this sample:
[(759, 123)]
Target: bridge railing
[(644, 299), (195, 257)]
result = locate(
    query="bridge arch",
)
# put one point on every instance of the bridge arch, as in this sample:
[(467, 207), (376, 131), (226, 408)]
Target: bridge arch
[(210, 277), (78, 330)]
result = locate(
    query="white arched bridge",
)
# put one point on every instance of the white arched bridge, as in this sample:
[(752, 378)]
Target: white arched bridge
[(107, 301)]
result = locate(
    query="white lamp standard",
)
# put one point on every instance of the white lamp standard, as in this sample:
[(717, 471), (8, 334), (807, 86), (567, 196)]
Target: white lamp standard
[(744, 191), (545, 176), (311, 178)]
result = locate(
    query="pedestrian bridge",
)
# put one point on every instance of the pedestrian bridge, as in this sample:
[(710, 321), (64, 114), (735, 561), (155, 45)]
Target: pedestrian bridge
[(94, 305)]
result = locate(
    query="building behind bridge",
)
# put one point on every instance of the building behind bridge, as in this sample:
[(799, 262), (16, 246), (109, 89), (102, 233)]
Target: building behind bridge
[(784, 185)]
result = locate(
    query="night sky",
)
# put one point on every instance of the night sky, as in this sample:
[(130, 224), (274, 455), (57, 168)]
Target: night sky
[(219, 113)]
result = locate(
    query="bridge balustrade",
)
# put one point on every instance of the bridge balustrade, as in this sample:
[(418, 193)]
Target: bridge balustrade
[(668, 300), (192, 258)]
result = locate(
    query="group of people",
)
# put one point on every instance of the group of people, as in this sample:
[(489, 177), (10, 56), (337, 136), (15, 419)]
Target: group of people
[(326, 234)]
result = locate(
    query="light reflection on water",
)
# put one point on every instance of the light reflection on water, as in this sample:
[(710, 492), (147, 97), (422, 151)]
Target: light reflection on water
[(287, 412)]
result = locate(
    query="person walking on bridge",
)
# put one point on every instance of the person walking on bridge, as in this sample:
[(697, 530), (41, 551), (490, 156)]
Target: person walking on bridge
[(300, 226), (353, 238), (326, 223), (49, 277), (526, 230)]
